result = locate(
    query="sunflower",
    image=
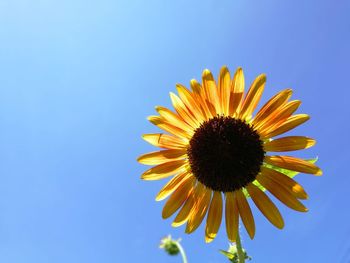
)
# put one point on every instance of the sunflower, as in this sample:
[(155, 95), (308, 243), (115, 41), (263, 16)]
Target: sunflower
[(217, 154)]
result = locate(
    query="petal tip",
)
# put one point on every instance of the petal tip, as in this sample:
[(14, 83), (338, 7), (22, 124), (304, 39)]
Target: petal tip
[(232, 240), (319, 172), (152, 118), (208, 239), (280, 225), (176, 224), (224, 68), (159, 198), (165, 215), (206, 72)]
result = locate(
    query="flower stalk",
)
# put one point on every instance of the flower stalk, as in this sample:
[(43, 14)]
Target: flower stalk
[(182, 252), (240, 252)]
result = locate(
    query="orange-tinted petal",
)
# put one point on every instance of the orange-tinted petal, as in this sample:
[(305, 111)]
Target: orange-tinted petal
[(290, 184), (231, 216), (290, 143), (164, 156), (190, 102), (172, 185), (294, 164), (211, 92), (271, 106), (165, 141), (265, 205), (166, 126), (199, 210), (214, 217), (280, 115), (164, 170), (200, 96), (224, 87), (185, 211), (285, 126), (174, 119), (182, 110), (245, 213), (281, 193), (178, 197), (237, 90), (252, 98)]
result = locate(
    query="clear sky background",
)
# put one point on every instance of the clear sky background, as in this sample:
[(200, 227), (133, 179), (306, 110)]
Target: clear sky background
[(77, 81)]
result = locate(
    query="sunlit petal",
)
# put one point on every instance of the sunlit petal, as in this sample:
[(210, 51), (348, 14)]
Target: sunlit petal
[(294, 164), (178, 198), (231, 216), (265, 205), (214, 217), (290, 143)]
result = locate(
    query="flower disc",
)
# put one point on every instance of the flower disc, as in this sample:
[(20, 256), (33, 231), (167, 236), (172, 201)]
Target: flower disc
[(225, 153)]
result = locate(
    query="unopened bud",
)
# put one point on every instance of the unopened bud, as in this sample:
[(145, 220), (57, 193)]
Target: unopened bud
[(170, 245)]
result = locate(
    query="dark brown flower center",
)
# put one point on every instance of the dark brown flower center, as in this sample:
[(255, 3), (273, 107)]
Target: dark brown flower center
[(225, 154)]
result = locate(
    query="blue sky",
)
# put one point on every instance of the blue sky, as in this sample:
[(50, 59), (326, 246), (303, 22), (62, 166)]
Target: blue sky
[(79, 78)]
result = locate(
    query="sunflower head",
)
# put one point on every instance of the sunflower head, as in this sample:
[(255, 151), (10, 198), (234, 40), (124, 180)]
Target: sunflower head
[(217, 154)]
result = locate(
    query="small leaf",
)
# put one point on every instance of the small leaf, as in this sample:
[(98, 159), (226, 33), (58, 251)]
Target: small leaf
[(229, 255)]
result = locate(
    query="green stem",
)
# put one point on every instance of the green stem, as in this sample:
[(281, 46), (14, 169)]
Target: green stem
[(241, 257), (182, 251)]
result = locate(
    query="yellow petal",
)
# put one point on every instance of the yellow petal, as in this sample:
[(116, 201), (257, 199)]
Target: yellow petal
[(281, 193), (224, 88), (280, 115), (231, 216), (294, 164), (285, 126), (185, 211), (265, 205), (290, 184), (245, 213), (214, 217), (211, 92), (166, 126), (290, 143), (271, 106), (252, 98), (198, 94), (178, 197), (174, 119), (237, 90), (164, 170), (190, 102), (199, 210), (165, 141), (164, 156), (183, 111), (195, 86), (172, 185)]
